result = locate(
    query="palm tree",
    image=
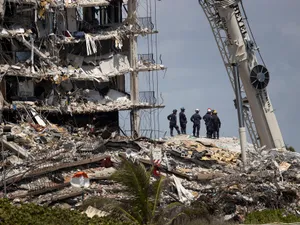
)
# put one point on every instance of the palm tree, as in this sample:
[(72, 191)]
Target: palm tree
[(145, 195)]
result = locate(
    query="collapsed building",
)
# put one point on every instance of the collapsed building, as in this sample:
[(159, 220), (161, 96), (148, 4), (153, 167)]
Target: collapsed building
[(67, 60)]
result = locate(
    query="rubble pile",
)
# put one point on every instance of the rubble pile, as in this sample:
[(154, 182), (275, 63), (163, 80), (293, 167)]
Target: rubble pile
[(35, 155), (209, 171), (270, 179), (39, 161)]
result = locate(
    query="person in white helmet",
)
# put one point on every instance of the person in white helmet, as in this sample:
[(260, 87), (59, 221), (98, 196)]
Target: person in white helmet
[(196, 119), (208, 123)]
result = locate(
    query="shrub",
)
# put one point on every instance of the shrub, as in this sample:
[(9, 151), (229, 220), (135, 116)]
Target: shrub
[(290, 148), (26, 214), (271, 216)]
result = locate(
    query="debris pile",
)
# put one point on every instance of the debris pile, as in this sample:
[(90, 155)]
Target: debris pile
[(73, 57), (39, 162)]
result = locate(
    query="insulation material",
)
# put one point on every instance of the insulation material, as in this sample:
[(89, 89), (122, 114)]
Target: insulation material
[(184, 195), (116, 96), (107, 66), (121, 62), (118, 43), (91, 47), (26, 89), (38, 119), (117, 64)]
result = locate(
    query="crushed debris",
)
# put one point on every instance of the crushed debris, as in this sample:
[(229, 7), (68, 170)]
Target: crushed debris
[(69, 59), (199, 169)]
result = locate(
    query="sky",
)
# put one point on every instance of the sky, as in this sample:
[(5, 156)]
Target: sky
[(196, 76)]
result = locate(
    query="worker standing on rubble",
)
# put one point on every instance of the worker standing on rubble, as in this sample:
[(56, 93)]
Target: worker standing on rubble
[(173, 122), (182, 121), (216, 124), (196, 119), (208, 123)]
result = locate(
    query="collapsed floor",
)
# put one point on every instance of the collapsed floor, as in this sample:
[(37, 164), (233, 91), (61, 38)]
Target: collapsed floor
[(38, 163)]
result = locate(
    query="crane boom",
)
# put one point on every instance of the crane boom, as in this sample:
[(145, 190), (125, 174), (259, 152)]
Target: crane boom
[(236, 47)]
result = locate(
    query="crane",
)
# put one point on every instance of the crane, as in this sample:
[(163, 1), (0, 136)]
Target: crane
[(237, 46)]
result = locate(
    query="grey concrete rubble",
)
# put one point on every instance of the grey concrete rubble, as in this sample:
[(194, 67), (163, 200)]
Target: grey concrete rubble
[(62, 85), (70, 57), (203, 170)]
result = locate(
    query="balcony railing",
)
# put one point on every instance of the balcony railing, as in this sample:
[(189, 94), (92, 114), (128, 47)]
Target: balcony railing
[(145, 23), (147, 97), (146, 59)]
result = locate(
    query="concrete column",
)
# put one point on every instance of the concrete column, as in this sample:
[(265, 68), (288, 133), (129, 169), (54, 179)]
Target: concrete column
[(134, 82)]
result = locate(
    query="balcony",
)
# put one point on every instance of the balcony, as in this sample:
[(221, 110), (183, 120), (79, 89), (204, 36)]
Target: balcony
[(147, 97), (145, 23)]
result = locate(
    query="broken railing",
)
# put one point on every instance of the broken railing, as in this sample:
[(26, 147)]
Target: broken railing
[(145, 23), (148, 97), (146, 58)]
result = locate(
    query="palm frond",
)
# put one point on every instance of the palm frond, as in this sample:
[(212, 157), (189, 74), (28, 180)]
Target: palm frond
[(173, 205), (157, 185), (175, 217), (129, 216), (136, 180)]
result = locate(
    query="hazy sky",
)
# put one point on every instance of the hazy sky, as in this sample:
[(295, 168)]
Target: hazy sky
[(196, 76)]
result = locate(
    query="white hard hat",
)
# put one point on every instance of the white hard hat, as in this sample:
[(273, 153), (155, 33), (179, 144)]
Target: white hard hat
[(197, 110), (209, 110)]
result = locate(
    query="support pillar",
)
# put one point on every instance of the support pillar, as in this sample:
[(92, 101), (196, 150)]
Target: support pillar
[(242, 129), (134, 82)]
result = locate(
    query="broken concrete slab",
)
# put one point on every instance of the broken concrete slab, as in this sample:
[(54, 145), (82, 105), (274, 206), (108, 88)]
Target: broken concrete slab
[(19, 151)]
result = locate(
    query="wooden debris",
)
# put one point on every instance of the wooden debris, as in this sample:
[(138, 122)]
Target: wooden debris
[(42, 171)]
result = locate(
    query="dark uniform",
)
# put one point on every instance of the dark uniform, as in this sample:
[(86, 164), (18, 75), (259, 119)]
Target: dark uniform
[(216, 124), (173, 122), (196, 119), (208, 124), (182, 121)]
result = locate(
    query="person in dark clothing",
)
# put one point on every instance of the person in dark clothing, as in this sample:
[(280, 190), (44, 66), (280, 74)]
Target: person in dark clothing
[(182, 121), (216, 124), (173, 122), (196, 119), (208, 123)]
